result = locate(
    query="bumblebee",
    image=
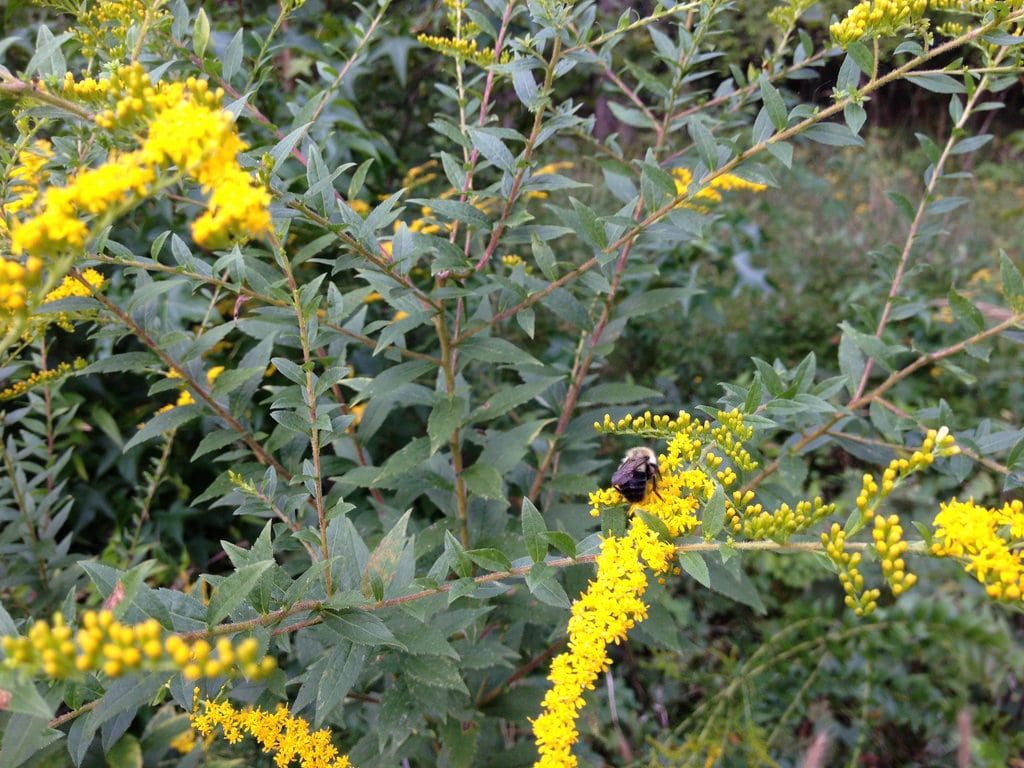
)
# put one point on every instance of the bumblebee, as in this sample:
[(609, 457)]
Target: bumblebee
[(638, 468)]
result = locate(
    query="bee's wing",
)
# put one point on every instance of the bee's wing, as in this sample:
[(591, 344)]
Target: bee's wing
[(626, 471)]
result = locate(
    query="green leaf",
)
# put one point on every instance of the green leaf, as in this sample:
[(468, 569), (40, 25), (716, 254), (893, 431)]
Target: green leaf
[(229, 381), (533, 527), (713, 518), (445, 418), (341, 670), (544, 256), (233, 56), (284, 147), (361, 628), (126, 753), (855, 116), (862, 57), (773, 103), (489, 559), (232, 591), (164, 422), (707, 149), (385, 557), (543, 585), (966, 312), (493, 149), (1013, 283), (485, 481), (200, 33), (561, 541), (490, 349), (833, 135), (695, 565), (937, 83), (25, 697), (736, 586)]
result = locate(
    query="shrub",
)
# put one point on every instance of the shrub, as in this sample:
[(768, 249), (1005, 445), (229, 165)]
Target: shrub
[(401, 283)]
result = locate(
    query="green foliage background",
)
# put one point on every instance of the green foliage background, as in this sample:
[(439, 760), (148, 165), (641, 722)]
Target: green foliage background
[(427, 486)]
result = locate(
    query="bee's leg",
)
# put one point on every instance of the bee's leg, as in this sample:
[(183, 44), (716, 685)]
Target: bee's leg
[(654, 484)]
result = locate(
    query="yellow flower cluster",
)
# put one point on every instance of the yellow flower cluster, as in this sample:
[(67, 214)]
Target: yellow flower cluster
[(729, 435), (71, 287), (26, 177), (185, 396), (279, 731), (41, 377), (990, 540), (877, 18), (104, 644), (784, 16), (937, 443), (604, 614), (113, 18), (16, 280), (755, 522), (461, 49), (727, 182), (186, 132), (644, 424), (613, 602), (890, 546), (861, 601)]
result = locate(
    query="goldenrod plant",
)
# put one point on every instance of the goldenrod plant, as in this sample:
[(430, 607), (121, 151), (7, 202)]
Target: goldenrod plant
[(325, 329)]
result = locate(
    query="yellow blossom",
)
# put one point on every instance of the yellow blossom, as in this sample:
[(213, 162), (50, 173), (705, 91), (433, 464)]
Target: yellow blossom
[(277, 732), (989, 540), (613, 602), (727, 182), (102, 643), (186, 134)]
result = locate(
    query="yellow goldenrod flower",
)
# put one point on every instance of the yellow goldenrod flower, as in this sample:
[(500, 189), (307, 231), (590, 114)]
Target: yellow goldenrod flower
[(186, 134), (989, 540), (613, 602), (277, 732), (727, 182), (41, 377), (877, 18), (102, 643), (71, 287), (27, 176)]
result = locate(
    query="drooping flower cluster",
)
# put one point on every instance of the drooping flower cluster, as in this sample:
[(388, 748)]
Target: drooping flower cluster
[(277, 732), (881, 18), (877, 18), (757, 523), (937, 443), (25, 178), (187, 134), (887, 533), (861, 601), (18, 388), (71, 287), (613, 602), (185, 396), (712, 193), (105, 25), (604, 614), (890, 546), (990, 540), (104, 644)]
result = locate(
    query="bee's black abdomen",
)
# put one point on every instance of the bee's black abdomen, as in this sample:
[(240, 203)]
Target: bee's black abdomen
[(632, 477), (633, 488)]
